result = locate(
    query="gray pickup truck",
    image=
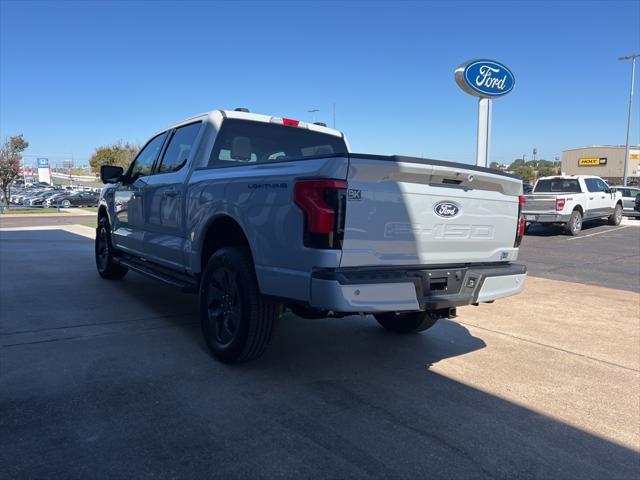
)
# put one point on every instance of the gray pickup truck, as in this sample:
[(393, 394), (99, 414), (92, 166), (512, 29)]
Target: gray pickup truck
[(256, 214)]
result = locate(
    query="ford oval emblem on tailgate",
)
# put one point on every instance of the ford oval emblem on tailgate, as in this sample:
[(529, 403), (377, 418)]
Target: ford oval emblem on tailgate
[(446, 209)]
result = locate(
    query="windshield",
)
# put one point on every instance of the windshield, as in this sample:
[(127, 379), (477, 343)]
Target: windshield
[(242, 141), (557, 185)]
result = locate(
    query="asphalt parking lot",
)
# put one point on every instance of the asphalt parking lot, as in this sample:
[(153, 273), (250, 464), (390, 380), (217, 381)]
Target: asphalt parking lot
[(601, 255), (112, 379)]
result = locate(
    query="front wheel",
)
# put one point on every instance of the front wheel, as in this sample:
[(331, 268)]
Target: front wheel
[(407, 322), (616, 217), (104, 252), (237, 321), (574, 225), (66, 204)]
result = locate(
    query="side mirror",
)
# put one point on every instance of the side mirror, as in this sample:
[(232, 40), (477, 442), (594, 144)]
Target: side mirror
[(111, 174)]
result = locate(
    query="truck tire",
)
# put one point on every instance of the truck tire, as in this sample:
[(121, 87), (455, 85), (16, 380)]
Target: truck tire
[(104, 252), (408, 322), (616, 217), (237, 321), (574, 225)]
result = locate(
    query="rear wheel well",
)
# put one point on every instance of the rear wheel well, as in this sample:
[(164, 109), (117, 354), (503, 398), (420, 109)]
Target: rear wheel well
[(222, 232), (579, 208)]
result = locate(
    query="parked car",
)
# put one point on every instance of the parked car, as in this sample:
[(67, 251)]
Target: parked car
[(258, 213), (33, 196), (51, 201), (629, 195), (637, 205), (569, 200), (527, 188), (80, 199), (41, 198)]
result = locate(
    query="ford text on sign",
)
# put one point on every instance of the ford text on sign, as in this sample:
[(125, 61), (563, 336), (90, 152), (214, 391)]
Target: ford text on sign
[(485, 78)]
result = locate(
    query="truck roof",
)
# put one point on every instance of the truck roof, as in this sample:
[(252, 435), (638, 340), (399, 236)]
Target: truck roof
[(571, 177), (216, 115)]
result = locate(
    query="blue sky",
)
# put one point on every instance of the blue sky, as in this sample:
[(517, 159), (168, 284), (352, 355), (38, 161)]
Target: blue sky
[(77, 75)]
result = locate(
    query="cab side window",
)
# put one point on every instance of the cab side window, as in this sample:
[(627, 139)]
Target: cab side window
[(601, 186), (143, 164), (591, 184), (177, 153)]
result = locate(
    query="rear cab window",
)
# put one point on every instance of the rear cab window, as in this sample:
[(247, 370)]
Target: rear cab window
[(557, 185), (242, 142)]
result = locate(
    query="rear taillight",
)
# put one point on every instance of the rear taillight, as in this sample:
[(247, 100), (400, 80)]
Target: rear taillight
[(521, 223), (323, 202), (559, 204)]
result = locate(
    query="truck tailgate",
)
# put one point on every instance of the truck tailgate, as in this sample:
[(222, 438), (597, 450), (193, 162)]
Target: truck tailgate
[(405, 211), (540, 204)]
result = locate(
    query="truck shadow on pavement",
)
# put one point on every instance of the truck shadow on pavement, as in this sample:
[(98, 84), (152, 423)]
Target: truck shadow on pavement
[(130, 390), (589, 226)]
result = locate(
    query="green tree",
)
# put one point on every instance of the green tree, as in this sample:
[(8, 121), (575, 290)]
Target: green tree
[(547, 170), (10, 158), (525, 172), (119, 154), (494, 165), (518, 162)]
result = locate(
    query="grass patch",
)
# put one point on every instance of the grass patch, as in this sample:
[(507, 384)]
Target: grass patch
[(20, 211), (89, 209), (92, 224)]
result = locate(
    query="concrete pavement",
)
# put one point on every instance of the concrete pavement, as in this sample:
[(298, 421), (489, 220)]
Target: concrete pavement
[(112, 379)]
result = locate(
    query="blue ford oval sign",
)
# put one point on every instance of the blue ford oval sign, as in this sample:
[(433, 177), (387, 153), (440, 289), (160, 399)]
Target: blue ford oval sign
[(446, 209), (485, 78)]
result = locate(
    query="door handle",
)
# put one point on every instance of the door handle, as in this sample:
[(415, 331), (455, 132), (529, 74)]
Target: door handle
[(171, 192), (590, 198), (603, 197)]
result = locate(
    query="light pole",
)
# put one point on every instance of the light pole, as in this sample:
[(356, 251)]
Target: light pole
[(313, 112), (626, 150)]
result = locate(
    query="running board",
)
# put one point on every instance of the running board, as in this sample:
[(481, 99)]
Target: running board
[(182, 282)]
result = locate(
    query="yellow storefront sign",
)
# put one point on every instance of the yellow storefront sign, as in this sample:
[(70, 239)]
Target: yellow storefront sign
[(592, 161)]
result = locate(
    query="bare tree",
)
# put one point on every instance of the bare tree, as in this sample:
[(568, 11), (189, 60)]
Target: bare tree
[(10, 158)]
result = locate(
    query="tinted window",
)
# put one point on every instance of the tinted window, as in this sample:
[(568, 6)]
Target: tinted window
[(557, 185), (143, 163), (595, 185), (243, 141), (179, 149)]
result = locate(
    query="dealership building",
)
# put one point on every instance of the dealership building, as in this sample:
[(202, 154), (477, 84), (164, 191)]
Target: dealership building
[(606, 161)]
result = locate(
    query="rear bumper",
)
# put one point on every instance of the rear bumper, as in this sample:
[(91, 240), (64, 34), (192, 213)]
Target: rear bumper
[(386, 290), (545, 218)]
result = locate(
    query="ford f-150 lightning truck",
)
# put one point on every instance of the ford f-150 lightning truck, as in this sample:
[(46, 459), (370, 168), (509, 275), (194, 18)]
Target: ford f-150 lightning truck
[(257, 213)]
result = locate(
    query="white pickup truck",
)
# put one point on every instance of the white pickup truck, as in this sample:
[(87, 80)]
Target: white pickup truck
[(257, 213), (569, 200)]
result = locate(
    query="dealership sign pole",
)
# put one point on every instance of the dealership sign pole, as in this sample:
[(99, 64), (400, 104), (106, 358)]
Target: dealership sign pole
[(486, 79)]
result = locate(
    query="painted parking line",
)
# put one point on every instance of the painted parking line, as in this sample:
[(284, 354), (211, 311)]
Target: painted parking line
[(597, 233)]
